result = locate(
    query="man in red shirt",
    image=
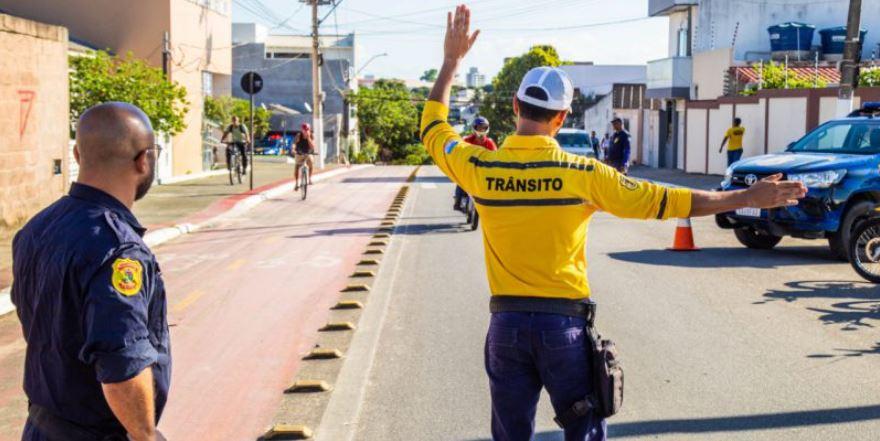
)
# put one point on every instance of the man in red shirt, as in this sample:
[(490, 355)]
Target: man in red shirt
[(479, 137)]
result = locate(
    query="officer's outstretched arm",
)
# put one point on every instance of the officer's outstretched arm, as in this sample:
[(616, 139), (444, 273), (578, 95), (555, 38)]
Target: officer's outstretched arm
[(769, 192), (444, 144), (132, 403)]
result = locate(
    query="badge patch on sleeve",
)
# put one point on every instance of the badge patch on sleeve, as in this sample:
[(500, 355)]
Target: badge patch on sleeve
[(128, 276), (628, 183)]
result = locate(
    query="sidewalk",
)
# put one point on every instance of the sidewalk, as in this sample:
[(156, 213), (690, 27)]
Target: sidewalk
[(187, 201), (676, 177)]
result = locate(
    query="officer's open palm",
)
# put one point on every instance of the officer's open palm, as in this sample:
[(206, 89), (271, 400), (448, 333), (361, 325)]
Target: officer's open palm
[(772, 192), (459, 40)]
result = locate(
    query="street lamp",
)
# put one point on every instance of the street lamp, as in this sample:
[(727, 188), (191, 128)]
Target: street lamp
[(384, 54)]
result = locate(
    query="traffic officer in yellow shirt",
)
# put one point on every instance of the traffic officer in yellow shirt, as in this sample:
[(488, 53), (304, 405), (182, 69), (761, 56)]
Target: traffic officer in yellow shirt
[(734, 140), (536, 201)]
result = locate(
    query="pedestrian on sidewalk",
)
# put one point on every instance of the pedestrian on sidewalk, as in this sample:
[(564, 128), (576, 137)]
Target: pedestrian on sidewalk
[(240, 138), (618, 151), (605, 144), (303, 149), (536, 201), (734, 140), (594, 142), (90, 295)]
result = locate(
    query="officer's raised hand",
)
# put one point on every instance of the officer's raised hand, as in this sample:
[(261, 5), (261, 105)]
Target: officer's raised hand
[(459, 40)]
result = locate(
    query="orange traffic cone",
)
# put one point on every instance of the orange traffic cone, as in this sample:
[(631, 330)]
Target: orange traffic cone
[(684, 237)]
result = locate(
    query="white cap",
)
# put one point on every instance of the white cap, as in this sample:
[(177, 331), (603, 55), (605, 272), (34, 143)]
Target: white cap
[(555, 84)]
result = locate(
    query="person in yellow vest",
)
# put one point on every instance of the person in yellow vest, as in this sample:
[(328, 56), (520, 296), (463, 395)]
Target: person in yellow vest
[(536, 201), (734, 140)]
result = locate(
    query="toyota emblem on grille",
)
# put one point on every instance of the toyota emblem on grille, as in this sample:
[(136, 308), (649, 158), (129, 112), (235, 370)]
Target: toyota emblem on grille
[(751, 179)]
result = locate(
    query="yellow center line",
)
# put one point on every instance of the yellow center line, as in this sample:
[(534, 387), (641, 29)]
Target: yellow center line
[(188, 300), (236, 265)]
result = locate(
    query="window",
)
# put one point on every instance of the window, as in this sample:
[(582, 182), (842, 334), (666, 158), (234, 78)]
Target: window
[(207, 83), (842, 137), (683, 42)]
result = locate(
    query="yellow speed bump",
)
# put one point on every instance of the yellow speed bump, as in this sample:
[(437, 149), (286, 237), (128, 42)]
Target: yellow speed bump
[(338, 326), (378, 243), (381, 236), (288, 431), (385, 230), (348, 304), (304, 386), (368, 262), (355, 288), (323, 354), (386, 224), (359, 274), (374, 251)]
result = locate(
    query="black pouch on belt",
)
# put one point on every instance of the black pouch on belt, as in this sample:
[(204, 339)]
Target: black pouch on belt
[(606, 378)]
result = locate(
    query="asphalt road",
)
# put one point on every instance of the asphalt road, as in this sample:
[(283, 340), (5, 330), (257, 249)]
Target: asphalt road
[(721, 344), (245, 300)]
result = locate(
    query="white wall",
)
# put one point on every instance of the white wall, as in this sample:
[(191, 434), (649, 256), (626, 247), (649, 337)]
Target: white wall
[(787, 122), (709, 71), (598, 117), (720, 120), (599, 79), (696, 141), (718, 19), (752, 116)]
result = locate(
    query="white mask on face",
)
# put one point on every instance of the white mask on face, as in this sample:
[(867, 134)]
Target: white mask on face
[(481, 133)]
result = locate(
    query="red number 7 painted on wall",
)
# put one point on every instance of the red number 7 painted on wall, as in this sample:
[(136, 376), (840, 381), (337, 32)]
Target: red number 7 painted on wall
[(26, 103)]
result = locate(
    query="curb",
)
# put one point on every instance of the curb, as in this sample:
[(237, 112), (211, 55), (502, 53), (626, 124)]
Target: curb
[(162, 235)]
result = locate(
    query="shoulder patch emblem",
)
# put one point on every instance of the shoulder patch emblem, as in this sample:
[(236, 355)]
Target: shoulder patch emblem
[(128, 276), (628, 183), (450, 145)]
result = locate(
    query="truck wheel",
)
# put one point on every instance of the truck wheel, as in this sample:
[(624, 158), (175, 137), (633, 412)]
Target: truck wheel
[(755, 239), (839, 240)]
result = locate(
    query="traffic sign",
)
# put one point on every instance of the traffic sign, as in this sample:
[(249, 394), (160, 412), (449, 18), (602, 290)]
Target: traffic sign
[(252, 83)]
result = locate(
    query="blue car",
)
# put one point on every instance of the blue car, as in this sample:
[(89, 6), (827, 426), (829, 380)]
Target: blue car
[(837, 162)]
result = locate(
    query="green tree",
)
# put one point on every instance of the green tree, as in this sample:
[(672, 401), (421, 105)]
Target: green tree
[(220, 110), (387, 115), (101, 77), (869, 77), (429, 75), (498, 105)]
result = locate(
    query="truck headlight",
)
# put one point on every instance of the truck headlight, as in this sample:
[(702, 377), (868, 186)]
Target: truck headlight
[(728, 176), (823, 179)]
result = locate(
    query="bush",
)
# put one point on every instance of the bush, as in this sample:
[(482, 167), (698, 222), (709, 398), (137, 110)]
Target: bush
[(367, 154), (414, 154), (869, 77)]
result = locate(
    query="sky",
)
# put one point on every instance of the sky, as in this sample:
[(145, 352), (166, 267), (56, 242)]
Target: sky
[(411, 32)]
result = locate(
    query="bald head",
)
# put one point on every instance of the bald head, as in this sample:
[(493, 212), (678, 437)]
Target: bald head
[(111, 134)]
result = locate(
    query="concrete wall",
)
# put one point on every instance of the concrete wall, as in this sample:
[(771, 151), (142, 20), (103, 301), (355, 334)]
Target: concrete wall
[(677, 21), (718, 20), (200, 40), (34, 128), (599, 79), (772, 119), (709, 72)]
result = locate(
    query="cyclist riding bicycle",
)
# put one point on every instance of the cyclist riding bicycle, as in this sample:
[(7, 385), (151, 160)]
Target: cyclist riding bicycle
[(479, 137), (240, 138), (303, 148)]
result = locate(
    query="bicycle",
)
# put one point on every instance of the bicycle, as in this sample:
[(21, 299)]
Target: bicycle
[(470, 210), (234, 163), (864, 248), (304, 177)]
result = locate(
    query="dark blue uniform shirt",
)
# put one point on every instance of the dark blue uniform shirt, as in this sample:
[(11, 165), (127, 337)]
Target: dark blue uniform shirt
[(618, 153), (91, 301)]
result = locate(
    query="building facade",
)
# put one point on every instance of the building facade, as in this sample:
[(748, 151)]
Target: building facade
[(475, 79), (710, 39), (284, 63), (199, 41)]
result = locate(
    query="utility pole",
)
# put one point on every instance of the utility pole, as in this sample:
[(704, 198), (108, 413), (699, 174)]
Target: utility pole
[(852, 54), (166, 53), (317, 101)]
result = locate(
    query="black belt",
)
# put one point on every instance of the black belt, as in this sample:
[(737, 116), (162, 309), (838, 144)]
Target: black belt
[(56, 428), (575, 308)]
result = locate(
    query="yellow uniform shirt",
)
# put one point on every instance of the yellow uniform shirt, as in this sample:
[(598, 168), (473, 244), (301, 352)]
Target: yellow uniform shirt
[(735, 138), (535, 201)]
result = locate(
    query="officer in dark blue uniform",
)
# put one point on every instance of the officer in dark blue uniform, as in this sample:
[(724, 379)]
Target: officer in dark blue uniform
[(90, 296), (618, 153)]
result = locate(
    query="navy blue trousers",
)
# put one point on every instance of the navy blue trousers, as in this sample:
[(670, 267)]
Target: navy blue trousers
[(733, 156), (527, 351)]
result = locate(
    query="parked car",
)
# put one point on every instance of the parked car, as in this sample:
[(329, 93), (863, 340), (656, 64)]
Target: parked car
[(838, 162), (274, 143), (575, 141)]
